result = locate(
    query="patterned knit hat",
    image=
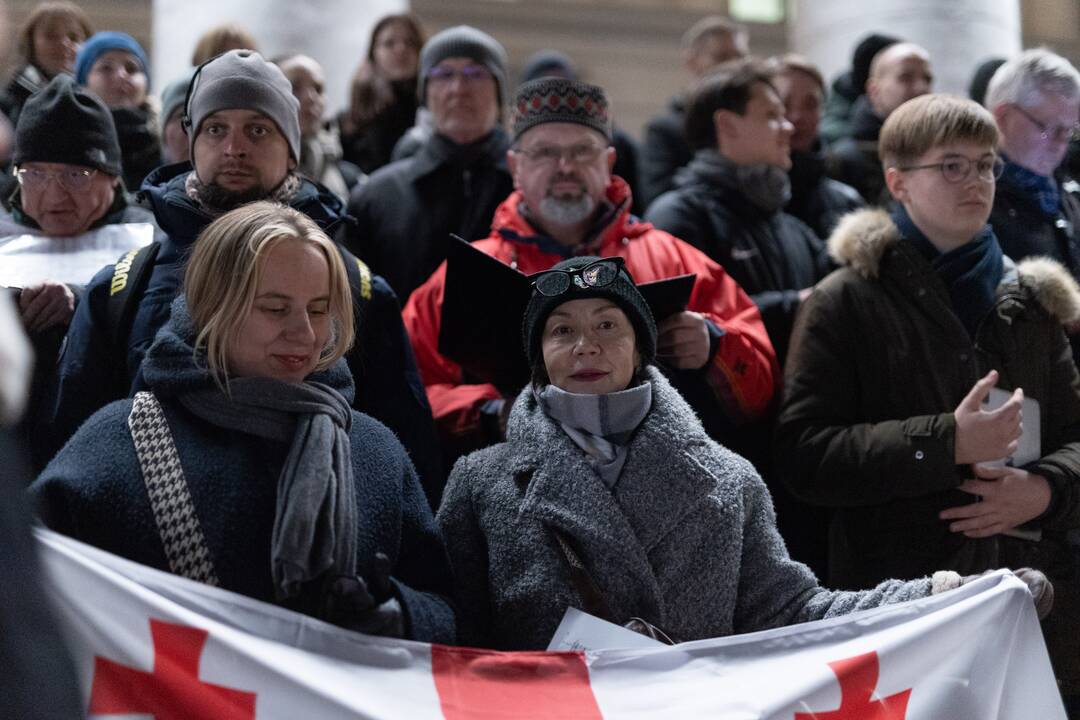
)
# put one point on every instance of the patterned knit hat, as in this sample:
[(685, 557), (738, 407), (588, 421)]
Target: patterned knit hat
[(554, 99)]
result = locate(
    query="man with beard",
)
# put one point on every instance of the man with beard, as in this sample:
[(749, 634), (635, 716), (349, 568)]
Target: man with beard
[(568, 203), (242, 122)]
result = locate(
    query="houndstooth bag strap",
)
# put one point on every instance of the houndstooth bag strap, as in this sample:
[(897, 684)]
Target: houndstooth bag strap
[(170, 497)]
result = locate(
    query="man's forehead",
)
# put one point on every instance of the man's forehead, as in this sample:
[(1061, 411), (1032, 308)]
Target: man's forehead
[(457, 62), (560, 133), (40, 165), (894, 57), (238, 115)]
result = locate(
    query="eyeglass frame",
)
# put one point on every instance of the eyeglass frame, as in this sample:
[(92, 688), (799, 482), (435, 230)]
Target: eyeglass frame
[(57, 175), (997, 167), (470, 74), (1044, 129), (617, 260), (534, 156)]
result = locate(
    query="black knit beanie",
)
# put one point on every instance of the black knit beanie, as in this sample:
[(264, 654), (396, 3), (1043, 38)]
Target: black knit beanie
[(464, 41), (66, 123), (623, 292), (863, 57)]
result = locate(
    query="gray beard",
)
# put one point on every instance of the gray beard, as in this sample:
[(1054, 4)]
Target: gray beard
[(567, 211)]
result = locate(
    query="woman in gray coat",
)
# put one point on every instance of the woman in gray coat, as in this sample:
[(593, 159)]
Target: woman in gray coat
[(606, 464)]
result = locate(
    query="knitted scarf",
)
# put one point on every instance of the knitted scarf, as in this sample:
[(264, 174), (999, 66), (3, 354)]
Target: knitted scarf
[(1043, 190), (315, 517), (766, 187), (971, 272), (601, 425)]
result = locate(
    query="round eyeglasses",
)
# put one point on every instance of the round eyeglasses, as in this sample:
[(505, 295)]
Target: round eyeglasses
[(552, 283), (71, 179), (958, 169)]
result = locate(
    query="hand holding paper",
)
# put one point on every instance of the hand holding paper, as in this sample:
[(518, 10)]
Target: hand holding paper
[(987, 434)]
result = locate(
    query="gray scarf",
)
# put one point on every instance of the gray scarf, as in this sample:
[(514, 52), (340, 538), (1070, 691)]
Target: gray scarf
[(601, 425), (315, 520), (766, 187)]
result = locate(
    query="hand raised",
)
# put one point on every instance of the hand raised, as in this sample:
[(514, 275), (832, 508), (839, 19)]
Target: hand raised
[(984, 435)]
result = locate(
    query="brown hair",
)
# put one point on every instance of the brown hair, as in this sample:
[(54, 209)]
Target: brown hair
[(929, 121), (370, 93), (222, 275), (793, 62), (222, 38), (728, 87), (711, 25), (44, 12)]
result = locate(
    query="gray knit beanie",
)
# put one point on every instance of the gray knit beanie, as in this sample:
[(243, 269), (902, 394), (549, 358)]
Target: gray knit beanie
[(464, 41), (241, 79)]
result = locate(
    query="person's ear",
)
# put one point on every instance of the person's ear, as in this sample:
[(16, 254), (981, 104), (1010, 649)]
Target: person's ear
[(725, 126), (512, 166), (896, 181), (609, 151), (292, 163), (1001, 114)]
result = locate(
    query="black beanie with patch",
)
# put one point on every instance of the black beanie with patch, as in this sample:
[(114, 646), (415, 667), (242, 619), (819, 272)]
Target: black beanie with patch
[(66, 123), (622, 291)]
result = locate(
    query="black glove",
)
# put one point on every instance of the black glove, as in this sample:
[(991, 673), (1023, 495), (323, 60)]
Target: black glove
[(367, 607)]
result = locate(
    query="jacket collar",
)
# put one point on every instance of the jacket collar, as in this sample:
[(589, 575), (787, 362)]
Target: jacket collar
[(862, 239), (163, 193), (438, 152), (509, 223)]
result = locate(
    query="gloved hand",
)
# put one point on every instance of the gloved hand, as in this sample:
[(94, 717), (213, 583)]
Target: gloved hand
[(1040, 587), (367, 607)]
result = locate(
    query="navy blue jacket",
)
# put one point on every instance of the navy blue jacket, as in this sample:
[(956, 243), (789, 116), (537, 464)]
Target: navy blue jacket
[(93, 490), (94, 370)]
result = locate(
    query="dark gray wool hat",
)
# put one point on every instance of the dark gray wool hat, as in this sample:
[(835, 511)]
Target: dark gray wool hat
[(464, 41), (555, 99), (622, 291), (66, 123), (242, 80)]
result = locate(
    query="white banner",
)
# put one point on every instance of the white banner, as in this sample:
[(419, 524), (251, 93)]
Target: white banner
[(150, 644)]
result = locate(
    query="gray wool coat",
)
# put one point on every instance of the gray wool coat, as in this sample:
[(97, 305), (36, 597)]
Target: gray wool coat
[(687, 539)]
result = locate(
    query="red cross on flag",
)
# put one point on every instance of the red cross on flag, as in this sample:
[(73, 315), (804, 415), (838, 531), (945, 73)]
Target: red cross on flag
[(149, 644)]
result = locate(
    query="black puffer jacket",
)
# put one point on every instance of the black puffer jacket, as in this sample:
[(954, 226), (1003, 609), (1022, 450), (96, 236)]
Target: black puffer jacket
[(817, 200), (854, 160), (406, 210), (771, 255)]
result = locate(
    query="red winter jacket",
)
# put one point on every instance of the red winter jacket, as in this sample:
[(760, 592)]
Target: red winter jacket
[(742, 373)]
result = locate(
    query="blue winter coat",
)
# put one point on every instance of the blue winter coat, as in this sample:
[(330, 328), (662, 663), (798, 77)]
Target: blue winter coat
[(93, 490), (95, 370)]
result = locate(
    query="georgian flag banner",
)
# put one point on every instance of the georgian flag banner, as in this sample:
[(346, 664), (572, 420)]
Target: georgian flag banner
[(149, 644)]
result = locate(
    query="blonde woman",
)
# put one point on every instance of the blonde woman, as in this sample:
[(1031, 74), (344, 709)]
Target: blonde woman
[(295, 498)]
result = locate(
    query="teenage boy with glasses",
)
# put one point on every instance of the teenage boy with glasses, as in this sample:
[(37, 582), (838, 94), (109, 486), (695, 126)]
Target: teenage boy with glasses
[(457, 177), (883, 415), (568, 203)]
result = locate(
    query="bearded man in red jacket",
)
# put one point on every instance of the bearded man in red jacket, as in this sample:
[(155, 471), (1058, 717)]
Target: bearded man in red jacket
[(566, 203)]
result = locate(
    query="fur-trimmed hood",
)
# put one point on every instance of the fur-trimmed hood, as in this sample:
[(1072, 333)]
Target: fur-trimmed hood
[(862, 237)]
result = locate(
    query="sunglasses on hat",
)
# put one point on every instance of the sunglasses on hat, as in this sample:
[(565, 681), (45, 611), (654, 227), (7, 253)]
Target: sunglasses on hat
[(552, 283)]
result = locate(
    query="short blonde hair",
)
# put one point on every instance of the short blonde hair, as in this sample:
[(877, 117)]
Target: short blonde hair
[(222, 38), (929, 121), (223, 273)]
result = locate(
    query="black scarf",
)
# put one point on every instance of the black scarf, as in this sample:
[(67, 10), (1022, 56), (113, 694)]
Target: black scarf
[(971, 272)]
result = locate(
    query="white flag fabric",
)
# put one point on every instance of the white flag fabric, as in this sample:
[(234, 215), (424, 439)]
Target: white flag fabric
[(29, 258), (149, 644)]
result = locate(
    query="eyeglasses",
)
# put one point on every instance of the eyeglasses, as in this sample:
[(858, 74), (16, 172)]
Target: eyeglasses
[(469, 74), (72, 179), (1060, 133), (552, 283), (958, 169), (551, 154)]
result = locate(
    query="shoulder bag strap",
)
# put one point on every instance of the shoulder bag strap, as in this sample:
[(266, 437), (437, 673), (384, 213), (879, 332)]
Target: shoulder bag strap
[(181, 534), (586, 587)]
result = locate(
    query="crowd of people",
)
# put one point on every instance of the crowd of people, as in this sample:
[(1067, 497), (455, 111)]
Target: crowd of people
[(246, 375)]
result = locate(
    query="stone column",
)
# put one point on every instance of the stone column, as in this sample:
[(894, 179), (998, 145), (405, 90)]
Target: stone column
[(959, 34), (334, 32)]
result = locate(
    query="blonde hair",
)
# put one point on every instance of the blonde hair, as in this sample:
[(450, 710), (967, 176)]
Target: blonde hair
[(929, 121), (223, 273), (44, 12)]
